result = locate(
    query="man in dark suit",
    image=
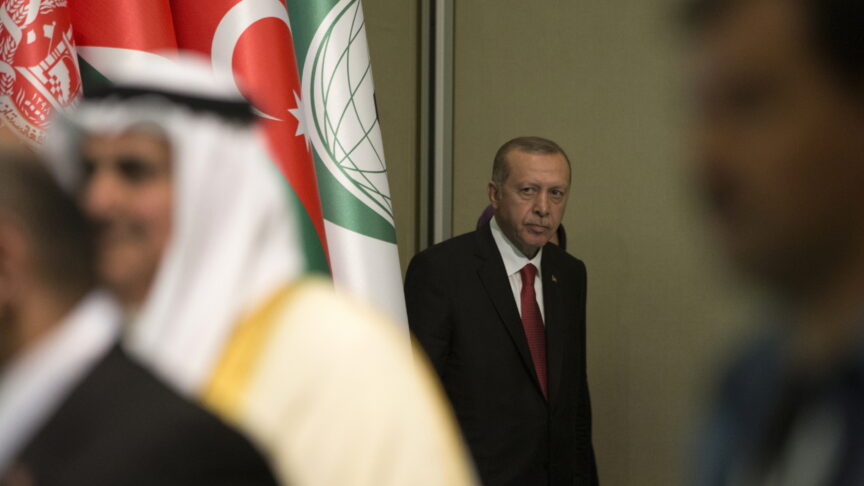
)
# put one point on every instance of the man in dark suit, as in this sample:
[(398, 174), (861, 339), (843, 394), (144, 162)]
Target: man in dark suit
[(501, 314), (74, 408)]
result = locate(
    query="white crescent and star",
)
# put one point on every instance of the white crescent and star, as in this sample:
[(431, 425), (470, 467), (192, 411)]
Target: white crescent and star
[(235, 22)]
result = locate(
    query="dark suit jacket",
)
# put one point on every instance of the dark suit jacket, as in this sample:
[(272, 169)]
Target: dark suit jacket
[(462, 311), (121, 426)]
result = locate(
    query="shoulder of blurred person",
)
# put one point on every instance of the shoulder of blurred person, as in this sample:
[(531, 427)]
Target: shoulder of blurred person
[(741, 405), (121, 425), (324, 373), (764, 408)]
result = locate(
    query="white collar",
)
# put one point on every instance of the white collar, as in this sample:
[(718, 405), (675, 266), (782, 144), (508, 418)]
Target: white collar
[(35, 383), (513, 257)]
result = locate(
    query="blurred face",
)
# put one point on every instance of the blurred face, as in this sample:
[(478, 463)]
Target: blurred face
[(780, 145), (530, 203), (128, 192), (21, 288), (11, 334)]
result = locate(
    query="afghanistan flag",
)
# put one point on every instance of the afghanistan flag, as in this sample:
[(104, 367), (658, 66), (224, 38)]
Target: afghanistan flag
[(38, 65)]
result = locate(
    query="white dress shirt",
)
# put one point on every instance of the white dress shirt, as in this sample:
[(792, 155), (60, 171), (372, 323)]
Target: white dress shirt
[(35, 383), (514, 260)]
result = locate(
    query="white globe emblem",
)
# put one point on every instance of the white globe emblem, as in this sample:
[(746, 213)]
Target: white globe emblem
[(342, 120)]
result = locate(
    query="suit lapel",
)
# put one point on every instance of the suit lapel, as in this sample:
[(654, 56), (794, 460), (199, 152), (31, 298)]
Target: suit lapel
[(555, 323), (495, 282)]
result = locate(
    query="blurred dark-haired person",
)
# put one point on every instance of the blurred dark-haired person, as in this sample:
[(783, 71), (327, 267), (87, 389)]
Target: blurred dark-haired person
[(501, 314), (778, 87), (74, 408)]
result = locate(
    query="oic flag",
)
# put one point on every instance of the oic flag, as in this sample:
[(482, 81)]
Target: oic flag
[(38, 65), (338, 98)]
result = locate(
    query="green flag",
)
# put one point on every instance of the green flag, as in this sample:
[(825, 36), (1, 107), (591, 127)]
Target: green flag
[(342, 126)]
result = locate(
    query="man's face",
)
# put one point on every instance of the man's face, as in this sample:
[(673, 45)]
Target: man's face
[(128, 192), (530, 203), (780, 143)]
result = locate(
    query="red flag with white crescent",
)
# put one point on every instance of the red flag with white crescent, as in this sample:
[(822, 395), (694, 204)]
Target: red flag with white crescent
[(38, 65), (252, 39)]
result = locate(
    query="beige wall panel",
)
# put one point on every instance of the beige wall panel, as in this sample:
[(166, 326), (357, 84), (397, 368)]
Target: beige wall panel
[(391, 27), (601, 77)]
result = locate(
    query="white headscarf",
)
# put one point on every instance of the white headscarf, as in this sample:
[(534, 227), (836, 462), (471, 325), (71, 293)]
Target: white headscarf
[(233, 240), (329, 388)]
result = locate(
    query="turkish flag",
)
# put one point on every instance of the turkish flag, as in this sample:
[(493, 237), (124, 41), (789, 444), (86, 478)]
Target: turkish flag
[(252, 40)]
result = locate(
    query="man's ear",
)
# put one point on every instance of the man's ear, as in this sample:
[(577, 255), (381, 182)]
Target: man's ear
[(494, 194)]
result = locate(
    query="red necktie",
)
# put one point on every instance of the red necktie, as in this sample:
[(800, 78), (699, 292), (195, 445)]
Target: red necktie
[(532, 323)]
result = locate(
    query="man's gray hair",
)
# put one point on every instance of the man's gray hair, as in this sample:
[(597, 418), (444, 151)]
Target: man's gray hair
[(531, 145)]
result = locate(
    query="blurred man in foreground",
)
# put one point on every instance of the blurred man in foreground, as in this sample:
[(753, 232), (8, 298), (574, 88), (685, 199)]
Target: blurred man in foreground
[(74, 408), (779, 89), (198, 238)]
